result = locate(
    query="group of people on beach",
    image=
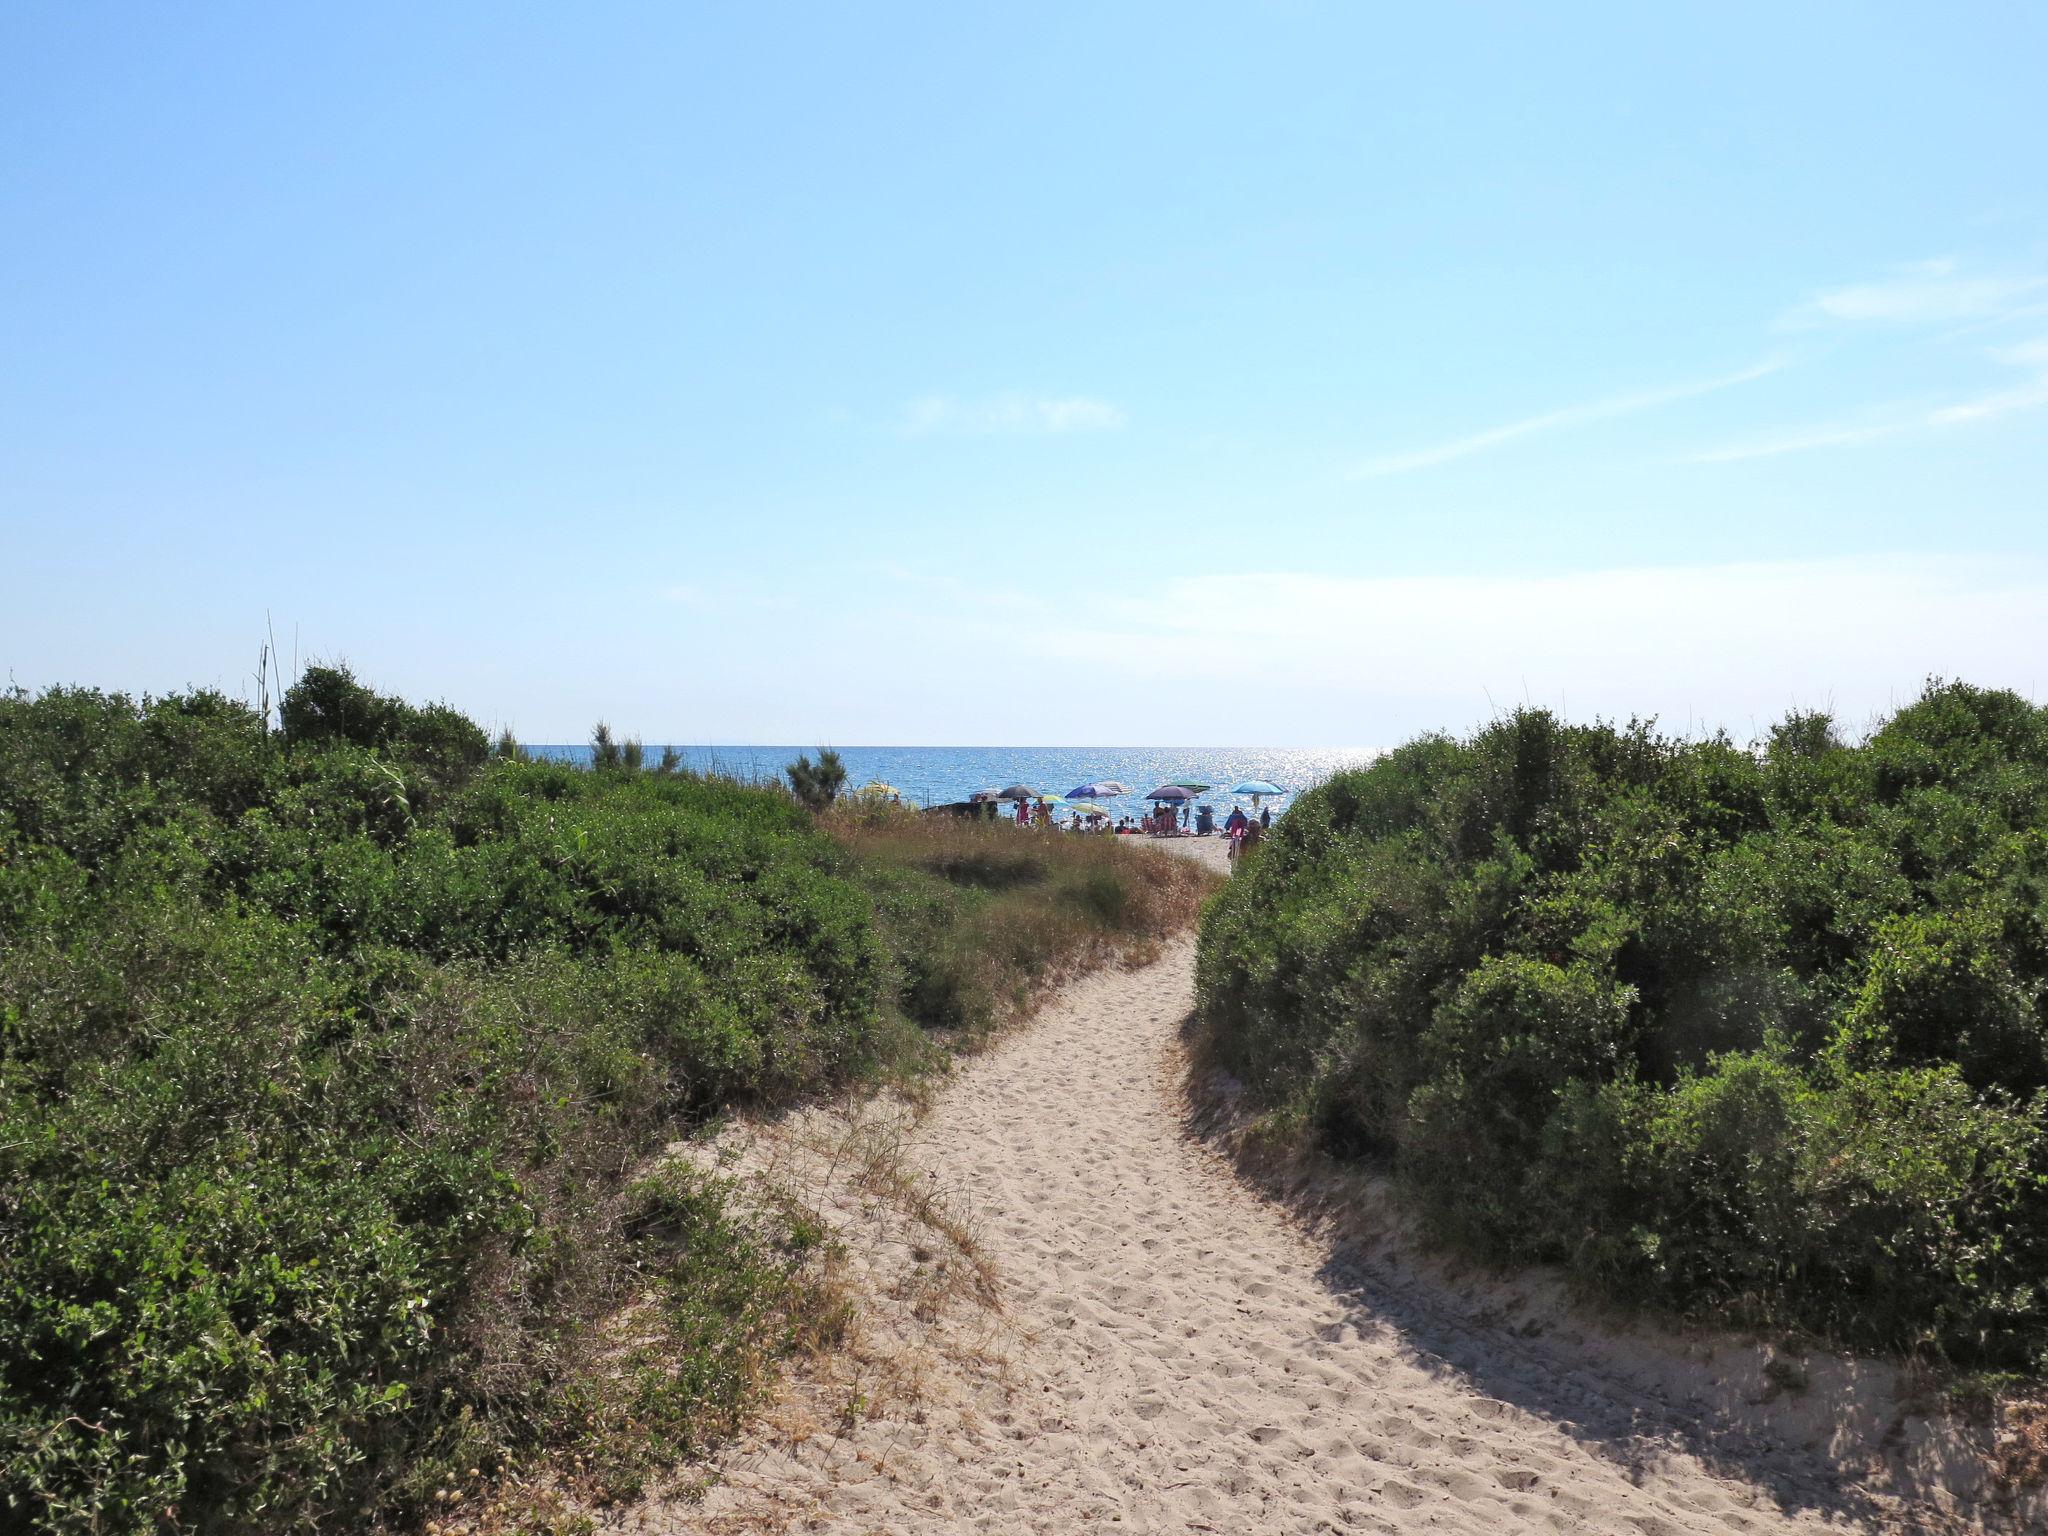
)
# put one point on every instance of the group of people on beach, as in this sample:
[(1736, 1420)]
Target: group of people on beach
[(1165, 821)]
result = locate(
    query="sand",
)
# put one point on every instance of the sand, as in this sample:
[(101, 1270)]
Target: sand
[(1161, 1349)]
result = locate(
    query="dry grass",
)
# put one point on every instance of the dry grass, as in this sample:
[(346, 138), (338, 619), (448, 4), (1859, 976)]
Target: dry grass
[(920, 1301), (889, 1288), (987, 918), (878, 1150), (2022, 1447)]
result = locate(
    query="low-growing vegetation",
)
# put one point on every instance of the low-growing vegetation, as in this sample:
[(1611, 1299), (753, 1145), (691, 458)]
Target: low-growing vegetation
[(1751, 1033), (335, 1063), (982, 918)]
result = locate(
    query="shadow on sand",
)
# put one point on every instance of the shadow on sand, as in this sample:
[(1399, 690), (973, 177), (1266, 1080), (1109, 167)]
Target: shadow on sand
[(1501, 1342)]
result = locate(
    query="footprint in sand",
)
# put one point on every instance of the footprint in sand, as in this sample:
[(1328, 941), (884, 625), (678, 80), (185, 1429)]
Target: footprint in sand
[(1401, 1495)]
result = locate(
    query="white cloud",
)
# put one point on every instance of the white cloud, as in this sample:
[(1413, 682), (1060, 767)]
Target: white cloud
[(1719, 644), (1550, 421), (1009, 414), (2001, 402), (1927, 293), (1988, 406), (1801, 440), (2027, 354)]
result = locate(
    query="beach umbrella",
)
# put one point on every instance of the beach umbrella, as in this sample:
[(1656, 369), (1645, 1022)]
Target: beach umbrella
[(1174, 792), (1258, 787), (984, 794), (877, 789), (1018, 792), (1108, 789), (1197, 789)]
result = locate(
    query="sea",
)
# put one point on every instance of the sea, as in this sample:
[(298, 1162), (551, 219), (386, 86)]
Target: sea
[(939, 775)]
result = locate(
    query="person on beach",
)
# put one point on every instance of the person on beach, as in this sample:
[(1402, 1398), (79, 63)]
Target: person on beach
[(1266, 818), (1235, 825), (1023, 813)]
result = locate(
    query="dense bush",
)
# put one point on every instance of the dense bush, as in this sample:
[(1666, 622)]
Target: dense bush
[(333, 1066), (327, 1060), (1756, 1032)]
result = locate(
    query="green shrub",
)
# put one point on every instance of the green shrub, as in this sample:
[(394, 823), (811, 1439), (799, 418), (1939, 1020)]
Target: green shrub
[(328, 707), (1762, 1033), (333, 1063), (325, 1059), (1942, 987), (1497, 1055)]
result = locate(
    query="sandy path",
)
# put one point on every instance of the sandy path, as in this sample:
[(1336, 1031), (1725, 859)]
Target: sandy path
[(1182, 1358)]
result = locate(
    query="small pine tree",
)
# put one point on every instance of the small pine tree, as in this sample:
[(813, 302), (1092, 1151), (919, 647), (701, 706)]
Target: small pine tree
[(831, 773), (671, 761), (632, 756), (817, 784), (605, 755)]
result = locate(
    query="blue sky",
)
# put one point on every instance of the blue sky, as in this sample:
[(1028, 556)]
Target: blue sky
[(1281, 374)]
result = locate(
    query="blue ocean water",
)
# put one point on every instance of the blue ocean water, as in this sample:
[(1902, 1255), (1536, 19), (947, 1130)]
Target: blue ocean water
[(935, 775)]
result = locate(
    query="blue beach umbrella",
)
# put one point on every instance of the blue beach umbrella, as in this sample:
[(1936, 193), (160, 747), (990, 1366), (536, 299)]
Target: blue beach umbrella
[(1257, 787), (1107, 789)]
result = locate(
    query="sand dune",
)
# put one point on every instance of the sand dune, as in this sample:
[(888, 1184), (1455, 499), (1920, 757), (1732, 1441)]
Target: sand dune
[(1172, 1354)]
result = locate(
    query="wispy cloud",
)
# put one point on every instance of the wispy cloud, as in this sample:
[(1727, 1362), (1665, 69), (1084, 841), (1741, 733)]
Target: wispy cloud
[(1988, 406), (1009, 414), (1551, 421), (2027, 354), (1925, 293), (2000, 402), (1801, 439), (942, 587)]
